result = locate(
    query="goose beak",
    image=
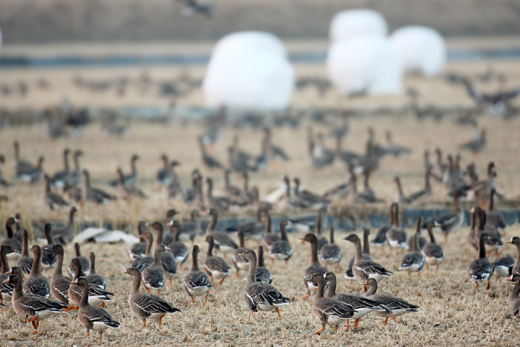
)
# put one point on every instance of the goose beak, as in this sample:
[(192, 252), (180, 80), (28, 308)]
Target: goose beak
[(436, 224), (472, 210), (300, 238), (75, 281), (508, 241), (10, 271), (170, 223), (126, 272), (167, 248), (7, 280)]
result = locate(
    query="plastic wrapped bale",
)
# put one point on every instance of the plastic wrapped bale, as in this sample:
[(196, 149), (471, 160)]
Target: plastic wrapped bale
[(365, 63), (420, 49), (246, 40), (249, 71), (0, 37), (351, 23)]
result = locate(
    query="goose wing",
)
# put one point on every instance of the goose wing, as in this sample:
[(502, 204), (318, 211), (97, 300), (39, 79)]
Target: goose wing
[(265, 294), (152, 303)]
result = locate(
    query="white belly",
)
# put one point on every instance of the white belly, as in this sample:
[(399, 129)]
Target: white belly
[(46, 314), (502, 271), (13, 256), (413, 268), (226, 249), (312, 287), (396, 244), (243, 266), (279, 256), (434, 261), (330, 261), (98, 326), (157, 315), (218, 274), (334, 320), (199, 291), (263, 307), (377, 277), (361, 312)]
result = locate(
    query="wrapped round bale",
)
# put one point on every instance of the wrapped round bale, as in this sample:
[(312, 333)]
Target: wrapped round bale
[(364, 63), (249, 70), (420, 49), (351, 23)]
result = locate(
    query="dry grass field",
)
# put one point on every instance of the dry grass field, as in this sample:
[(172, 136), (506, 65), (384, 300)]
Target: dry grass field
[(451, 311)]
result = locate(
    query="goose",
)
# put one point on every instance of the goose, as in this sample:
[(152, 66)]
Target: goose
[(481, 190), (197, 282), (138, 249), (209, 161), (3, 182), (143, 262), (262, 273), (84, 261), (238, 262), (269, 237), (52, 199), (349, 158), (450, 221), (513, 301), (153, 275), (48, 257), (472, 233), (253, 230), (93, 278), (481, 269), (214, 266), (11, 241), (368, 195), (395, 306), (432, 252), (92, 317), (503, 267), (392, 149), (423, 193), (414, 260), (260, 295), (453, 178), (477, 144), (146, 305), (25, 171), (221, 239), (129, 190), (494, 240), (380, 239), (164, 176), (25, 262), (515, 240), (315, 266), (59, 284), (32, 308), (190, 228), (21, 165), (410, 241), (365, 255), (75, 175), (364, 269), (494, 218), (331, 253), (329, 310), (175, 187), (276, 152), (37, 284), (396, 236), (172, 226), (60, 178), (232, 191), (66, 234), (401, 198), (218, 203), (6, 289), (360, 304), (130, 180), (178, 248), (281, 249), (92, 194), (168, 259), (313, 200), (96, 295)]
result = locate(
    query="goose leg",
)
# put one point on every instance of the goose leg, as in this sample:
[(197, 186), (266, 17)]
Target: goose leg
[(279, 315), (103, 304), (272, 264), (478, 289), (489, 285), (158, 292), (223, 278), (193, 302), (100, 336), (250, 313), (306, 296), (348, 325), (206, 298), (419, 274), (436, 269), (393, 317), (170, 281), (181, 266), (427, 268), (144, 324), (318, 332), (446, 238), (356, 322), (160, 319), (339, 267), (224, 255), (335, 330), (386, 321)]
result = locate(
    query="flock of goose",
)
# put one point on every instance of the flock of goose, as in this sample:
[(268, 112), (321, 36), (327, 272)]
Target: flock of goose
[(161, 254)]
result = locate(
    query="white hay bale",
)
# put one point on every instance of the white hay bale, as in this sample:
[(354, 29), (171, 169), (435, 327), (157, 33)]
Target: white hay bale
[(364, 63), (360, 22), (420, 49), (249, 70)]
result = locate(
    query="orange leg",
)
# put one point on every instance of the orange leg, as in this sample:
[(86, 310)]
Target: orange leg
[(222, 280), (158, 292), (436, 269), (348, 325), (225, 256), (211, 279), (339, 267), (160, 320), (326, 267), (419, 274), (386, 321), (446, 238), (170, 281), (427, 268), (100, 336), (272, 264), (318, 332), (206, 298), (393, 317), (144, 324), (193, 302), (489, 285), (103, 304), (279, 315), (306, 296), (356, 322), (335, 330), (237, 274), (409, 275), (250, 313), (181, 266), (148, 290), (478, 289), (286, 263)]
